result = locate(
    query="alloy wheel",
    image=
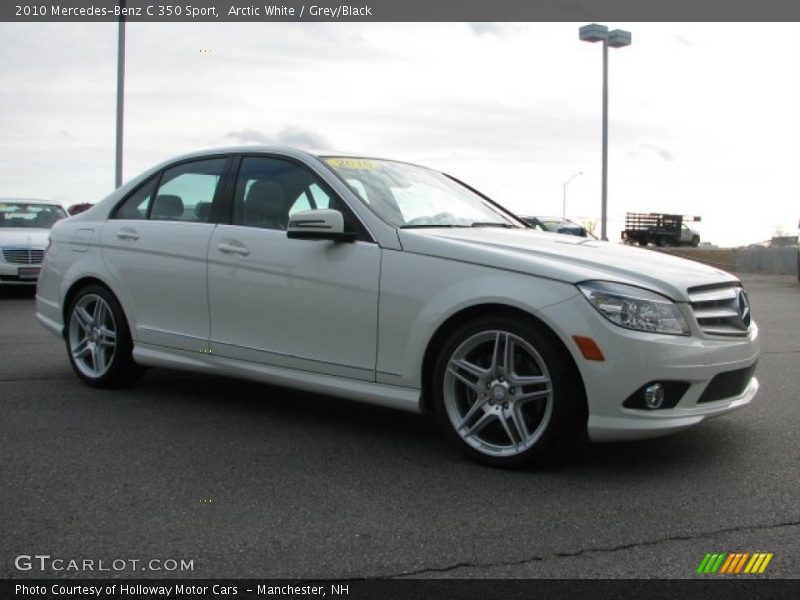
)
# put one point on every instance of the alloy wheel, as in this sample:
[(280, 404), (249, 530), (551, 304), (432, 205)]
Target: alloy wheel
[(498, 393), (92, 336)]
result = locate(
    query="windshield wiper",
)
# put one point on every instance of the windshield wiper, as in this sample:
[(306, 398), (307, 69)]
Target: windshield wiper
[(421, 226), (491, 224)]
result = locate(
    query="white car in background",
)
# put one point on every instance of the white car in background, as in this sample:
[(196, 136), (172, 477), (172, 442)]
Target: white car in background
[(397, 285), (24, 230)]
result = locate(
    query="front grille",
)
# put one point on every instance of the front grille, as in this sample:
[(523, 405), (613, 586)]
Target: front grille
[(721, 310), (23, 256), (728, 385)]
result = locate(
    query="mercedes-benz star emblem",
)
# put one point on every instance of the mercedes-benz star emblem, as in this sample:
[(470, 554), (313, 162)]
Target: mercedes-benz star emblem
[(744, 309)]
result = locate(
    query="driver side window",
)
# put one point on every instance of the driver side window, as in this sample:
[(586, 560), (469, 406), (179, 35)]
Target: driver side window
[(270, 190)]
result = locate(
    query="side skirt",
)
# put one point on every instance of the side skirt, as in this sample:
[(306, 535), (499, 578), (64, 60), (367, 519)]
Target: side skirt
[(391, 396)]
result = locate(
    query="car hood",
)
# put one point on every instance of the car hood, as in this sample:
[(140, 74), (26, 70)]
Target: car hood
[(564, 258), (24, 236)]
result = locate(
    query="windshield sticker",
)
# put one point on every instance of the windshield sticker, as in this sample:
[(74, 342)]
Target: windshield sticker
[(352, 163)]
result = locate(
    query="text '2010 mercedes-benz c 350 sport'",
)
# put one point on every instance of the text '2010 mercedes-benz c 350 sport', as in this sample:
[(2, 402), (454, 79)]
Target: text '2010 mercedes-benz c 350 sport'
[(394, 284)]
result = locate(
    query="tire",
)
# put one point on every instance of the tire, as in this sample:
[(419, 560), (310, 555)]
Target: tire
[(506, 417), (643, 242), (695, 241), (661, 241), (99, 344)]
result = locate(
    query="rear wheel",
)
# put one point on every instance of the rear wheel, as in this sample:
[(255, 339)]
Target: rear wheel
[(503, 391), (99, 343)]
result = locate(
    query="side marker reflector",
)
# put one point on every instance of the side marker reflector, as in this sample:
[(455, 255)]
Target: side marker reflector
[(588, 348)]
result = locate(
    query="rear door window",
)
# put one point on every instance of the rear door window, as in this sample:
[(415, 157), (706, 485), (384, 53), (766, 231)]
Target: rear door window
[(186, 192)]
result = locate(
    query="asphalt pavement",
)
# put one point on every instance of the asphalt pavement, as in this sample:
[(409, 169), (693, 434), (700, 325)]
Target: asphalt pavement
[(248, 480)]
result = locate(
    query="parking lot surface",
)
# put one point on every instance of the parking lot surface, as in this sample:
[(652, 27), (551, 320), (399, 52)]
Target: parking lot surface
[(248, 480)]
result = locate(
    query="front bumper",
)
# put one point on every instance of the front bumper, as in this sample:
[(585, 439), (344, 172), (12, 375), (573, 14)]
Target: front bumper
[(10, 273), (634, 359)]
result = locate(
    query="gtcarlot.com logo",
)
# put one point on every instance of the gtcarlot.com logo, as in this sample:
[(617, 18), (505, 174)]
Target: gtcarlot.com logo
[(734, 563), (45, 562)]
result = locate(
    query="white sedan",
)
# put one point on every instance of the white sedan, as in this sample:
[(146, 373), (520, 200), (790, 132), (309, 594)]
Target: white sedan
[(394, 284), (24, 228)]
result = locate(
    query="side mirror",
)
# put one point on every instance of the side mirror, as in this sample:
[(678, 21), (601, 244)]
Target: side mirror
[(319, 224)]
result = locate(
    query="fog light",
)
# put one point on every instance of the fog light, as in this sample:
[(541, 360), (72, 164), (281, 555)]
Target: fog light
[(654, 396)]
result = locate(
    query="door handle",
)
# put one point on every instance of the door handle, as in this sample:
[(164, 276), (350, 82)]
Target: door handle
[(229, 248), (127, 234)]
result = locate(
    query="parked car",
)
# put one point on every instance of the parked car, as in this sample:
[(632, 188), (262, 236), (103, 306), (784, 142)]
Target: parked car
[(557, 225), (397, 285), (24, 228)]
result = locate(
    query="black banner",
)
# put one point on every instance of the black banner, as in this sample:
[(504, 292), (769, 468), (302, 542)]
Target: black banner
[(394, 10), (733, 588)]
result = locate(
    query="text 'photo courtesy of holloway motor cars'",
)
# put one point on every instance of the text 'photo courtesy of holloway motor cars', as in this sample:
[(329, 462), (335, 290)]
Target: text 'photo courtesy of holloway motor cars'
[(394, 284)]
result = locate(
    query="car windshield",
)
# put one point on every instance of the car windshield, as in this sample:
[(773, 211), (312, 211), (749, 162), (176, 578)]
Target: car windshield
[(554, 225), (29, 214), (409, 196)]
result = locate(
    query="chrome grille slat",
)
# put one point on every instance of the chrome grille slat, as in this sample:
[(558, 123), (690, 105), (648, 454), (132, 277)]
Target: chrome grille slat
[(23, 256), (715, 313), (719, 311), (721, 294), (724, 331)]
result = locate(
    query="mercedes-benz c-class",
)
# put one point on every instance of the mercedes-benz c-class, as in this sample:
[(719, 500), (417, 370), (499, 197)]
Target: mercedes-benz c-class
[(394, 284)]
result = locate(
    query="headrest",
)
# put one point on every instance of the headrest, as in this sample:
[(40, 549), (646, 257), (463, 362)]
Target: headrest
[(167, 206), (202, 210)]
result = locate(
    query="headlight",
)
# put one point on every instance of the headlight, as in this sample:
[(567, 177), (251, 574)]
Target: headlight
[(635, 308)]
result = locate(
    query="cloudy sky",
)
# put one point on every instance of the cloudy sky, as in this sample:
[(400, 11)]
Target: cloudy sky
[(704, 120)]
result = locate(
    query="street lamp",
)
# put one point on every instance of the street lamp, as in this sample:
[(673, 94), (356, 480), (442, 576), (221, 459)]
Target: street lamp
[(564, 197), (120, 96), (615, 39)]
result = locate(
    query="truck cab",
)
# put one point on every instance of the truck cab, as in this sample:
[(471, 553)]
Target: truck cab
[(689, 237)]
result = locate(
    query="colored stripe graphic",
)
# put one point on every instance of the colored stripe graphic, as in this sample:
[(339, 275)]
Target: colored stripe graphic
[(766, 562), (714, 563), (718, 564), (755, 562), (703, 563), (740, 564), (727, 564), (734, 563), (730, 564)]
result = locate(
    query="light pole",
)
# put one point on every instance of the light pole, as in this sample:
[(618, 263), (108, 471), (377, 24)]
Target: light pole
[(564, 197), (615, 39), (120, 96)]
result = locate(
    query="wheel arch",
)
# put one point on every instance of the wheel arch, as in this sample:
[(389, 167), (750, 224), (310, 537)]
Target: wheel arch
[(456, 320), (75, 287)]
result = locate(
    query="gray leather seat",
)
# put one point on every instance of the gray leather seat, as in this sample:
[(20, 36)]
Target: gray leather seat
[(202, 210), (167, 207), (265, 206)]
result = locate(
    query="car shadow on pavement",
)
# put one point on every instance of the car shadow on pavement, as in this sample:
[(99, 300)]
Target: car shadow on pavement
[(17, 292), (256, 400), (699, 447)]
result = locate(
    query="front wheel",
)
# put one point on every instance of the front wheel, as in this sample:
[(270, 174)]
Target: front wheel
[(99, 342), (503, 391), (695, 242)]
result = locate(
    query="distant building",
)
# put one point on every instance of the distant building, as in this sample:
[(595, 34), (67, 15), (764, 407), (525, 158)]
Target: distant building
[(783, 240)]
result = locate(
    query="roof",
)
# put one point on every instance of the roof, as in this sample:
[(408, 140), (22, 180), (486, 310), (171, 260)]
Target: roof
[(31, 201)]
